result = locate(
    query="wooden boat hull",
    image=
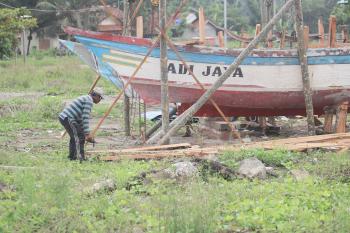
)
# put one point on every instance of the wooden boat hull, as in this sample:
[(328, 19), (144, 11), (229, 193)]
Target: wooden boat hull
[(267, 82)]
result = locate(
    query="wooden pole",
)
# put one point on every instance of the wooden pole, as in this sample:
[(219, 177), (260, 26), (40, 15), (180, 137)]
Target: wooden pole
[(321, 32), (257, 31), (332, 32), (139, 27), (304, 68), (180, 121), (221, 39), (164, 69), (201, 25), (155, 43)]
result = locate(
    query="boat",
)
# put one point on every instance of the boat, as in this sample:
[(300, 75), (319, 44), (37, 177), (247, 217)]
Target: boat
[(267, 83)]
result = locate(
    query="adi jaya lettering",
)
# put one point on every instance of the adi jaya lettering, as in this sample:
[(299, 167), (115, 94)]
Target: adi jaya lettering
[(215, 71)]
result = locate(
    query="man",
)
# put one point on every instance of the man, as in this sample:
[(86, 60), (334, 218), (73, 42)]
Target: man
[(75, 119)]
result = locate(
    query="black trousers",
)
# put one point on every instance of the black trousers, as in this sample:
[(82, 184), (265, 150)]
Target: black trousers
[(77, 138)]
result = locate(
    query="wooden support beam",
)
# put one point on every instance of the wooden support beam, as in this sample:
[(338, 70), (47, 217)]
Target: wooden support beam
[(221, 39), (139, 27), (304, 68), (201, 25), (342, 110), (328, 120), (262, 123), (332, 40), (181, 120), (257, 31), (321, 32)]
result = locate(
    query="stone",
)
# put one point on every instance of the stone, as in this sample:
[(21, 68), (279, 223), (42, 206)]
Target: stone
[(252, 168), (181, 170), (299, 174), (104, 185), (3, 187)]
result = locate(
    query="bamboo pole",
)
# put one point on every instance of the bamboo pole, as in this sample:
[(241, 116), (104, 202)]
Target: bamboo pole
[(304, 68), (232, 127), (164, 90), (180, 121), (155, 43)]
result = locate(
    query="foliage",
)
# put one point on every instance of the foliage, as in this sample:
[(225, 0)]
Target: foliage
[(12, 21)]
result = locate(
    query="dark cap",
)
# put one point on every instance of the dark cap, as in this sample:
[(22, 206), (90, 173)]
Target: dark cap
[(95, 93)]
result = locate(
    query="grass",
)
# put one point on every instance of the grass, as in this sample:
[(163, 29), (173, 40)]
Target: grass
[(48, 193)]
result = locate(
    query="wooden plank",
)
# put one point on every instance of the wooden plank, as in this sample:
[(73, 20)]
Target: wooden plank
[(184, 153), (146, 148), (139, 27), (332, 32)]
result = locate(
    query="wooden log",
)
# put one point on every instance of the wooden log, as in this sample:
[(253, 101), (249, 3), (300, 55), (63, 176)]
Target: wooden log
[(332, 40), (304, 68), (139, 27), (201, 25), (181, 120), (342, 110), (221, 39), (328, 120), (321, 32)]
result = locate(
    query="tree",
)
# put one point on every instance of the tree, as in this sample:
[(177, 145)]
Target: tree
[(12, 22)]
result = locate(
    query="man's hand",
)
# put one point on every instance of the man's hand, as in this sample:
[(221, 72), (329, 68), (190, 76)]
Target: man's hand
[(89, 138)]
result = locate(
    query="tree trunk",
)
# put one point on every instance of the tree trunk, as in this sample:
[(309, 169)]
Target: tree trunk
[(164, 70), (304, 68)]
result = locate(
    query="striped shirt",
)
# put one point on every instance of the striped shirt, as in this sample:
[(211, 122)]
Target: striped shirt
[(79, 111)]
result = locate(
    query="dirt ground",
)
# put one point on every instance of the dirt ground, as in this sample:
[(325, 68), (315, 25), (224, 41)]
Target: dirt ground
[(111, 134)]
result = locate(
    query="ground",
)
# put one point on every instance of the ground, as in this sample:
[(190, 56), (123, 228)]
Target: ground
[(41, 190)]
